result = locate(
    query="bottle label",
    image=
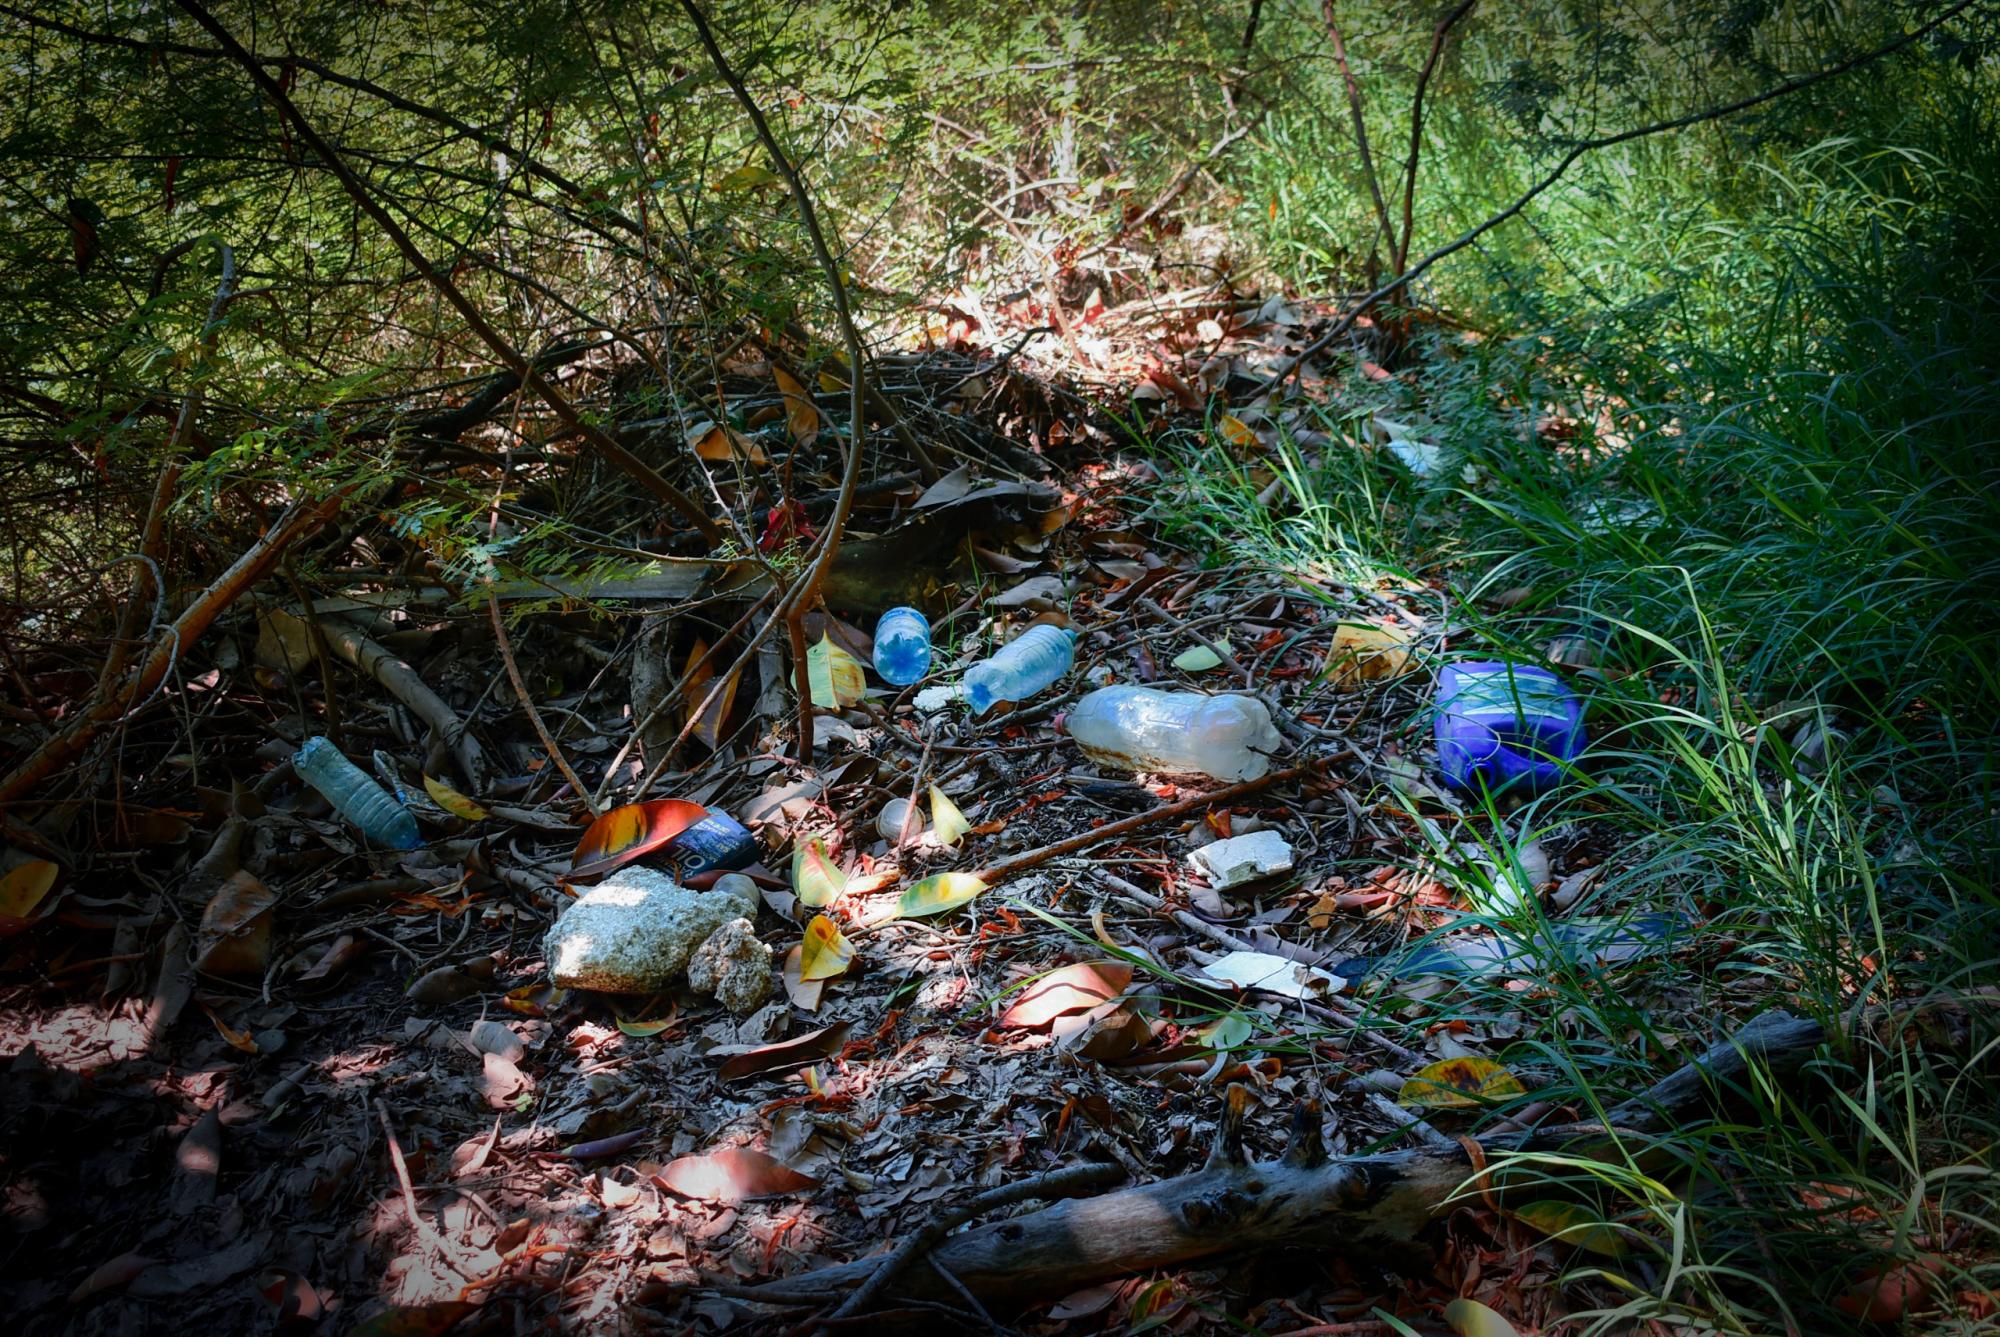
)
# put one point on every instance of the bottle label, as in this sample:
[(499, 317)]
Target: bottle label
[(716, 841)]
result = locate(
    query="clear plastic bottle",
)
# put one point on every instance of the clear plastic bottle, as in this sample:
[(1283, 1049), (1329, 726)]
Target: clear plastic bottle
[(902, 646), (366, 806), (1140, 729), (1030, 662)]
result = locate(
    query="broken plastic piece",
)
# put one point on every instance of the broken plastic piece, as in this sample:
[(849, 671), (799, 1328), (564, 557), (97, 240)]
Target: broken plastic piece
[(1240, 859)]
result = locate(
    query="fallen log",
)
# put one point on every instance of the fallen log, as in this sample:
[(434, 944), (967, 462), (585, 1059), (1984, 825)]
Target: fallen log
[(1371, 1205)]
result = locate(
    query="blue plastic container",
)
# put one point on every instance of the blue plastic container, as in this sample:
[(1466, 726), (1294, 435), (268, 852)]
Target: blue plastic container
[(1505, 726), (902, 646), (716, 841)]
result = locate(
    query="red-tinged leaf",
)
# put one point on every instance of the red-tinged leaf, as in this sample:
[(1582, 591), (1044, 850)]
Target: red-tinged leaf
[(425, 1320), (1071, 989), (292, 1298), (1886, 1295), (732, 1175), (1460, 1083), (111, 1276), (628, 833), (741, 1061), (242, 1040)]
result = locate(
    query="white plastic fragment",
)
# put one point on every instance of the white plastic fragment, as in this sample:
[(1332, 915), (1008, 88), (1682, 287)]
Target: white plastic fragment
[(1240, 859), (1273, 974), (935, 698)]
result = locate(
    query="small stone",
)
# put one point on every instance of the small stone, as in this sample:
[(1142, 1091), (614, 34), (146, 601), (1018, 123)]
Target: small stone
[(634, 931), (734, 966), (1240, 859)]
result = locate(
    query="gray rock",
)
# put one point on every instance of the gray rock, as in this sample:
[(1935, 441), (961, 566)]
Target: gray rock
[(734, 966), (634, 931)]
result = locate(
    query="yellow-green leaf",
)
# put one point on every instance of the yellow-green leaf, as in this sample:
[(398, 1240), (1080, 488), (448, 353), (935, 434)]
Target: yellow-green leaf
[(948, 824), (1469, 1318), (835, 676), (747, 177), (24, 886), (1202, 658), (453, 802), (815, 876), (1575, 1225), (1460, 1083), (1226, 1032), (642, 1029), (825, 952), (935, 895)]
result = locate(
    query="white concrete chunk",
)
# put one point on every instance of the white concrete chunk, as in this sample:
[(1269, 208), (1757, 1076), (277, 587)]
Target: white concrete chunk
[(634, 931)]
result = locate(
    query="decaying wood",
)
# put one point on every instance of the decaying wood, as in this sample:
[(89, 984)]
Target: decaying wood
[(407, 685), (1367, 1204)]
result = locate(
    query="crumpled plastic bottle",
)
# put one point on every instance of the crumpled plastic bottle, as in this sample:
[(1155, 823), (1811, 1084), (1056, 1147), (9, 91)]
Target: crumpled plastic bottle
[(1142, 729), (365, 805)]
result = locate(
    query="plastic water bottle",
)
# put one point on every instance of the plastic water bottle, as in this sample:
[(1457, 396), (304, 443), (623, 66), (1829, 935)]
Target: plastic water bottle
[(1505, 726), (365, 805), (1140, 729), (1031, 661), (902, 646), (716, 841)]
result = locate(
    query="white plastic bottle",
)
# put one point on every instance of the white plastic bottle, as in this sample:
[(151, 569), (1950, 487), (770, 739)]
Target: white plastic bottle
[(1140, 729)]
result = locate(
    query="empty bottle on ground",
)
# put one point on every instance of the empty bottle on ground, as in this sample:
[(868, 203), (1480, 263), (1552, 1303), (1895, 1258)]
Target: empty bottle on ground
[(1141, 729), (1505, 726), (1032, 661), (902, 646), (365, 805)]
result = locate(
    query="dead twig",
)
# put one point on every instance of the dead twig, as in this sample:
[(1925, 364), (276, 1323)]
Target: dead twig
[(528, 707), (1055, 1184)]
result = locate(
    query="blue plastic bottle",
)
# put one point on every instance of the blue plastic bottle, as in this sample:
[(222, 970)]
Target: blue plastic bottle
[(902, 646), (1506, 726), (1030, 662), (366, 806)]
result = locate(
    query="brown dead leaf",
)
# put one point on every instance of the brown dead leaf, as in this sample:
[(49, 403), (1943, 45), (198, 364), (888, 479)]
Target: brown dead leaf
[(734, 1174), (801, 415), (805, 993), (111, 1276), (1071, 989), (741, 1061), (235, 936)]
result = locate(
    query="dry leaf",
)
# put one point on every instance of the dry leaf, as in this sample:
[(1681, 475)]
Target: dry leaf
[(732, 1175), (630, 832), (1574, 1225), (235, 936), (719, 442), (804, 993), (1460, 1083), (1365, 652), (1469, 1318), (453, 802), (751, 1060), (1202, 657), (1071, 989), (825, 952), (801, 415), (708, 729), (1236, 433), (21, 890)]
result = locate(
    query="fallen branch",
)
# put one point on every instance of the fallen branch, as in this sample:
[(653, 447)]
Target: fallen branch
[(1125, 826), (1373, 1203), (407, 685), (244, 573)]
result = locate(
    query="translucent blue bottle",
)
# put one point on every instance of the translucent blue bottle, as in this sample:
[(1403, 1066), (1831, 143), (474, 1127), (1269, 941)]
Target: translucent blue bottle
[(1030, 662), (1506, 726), (902, 646), (365, 805)]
